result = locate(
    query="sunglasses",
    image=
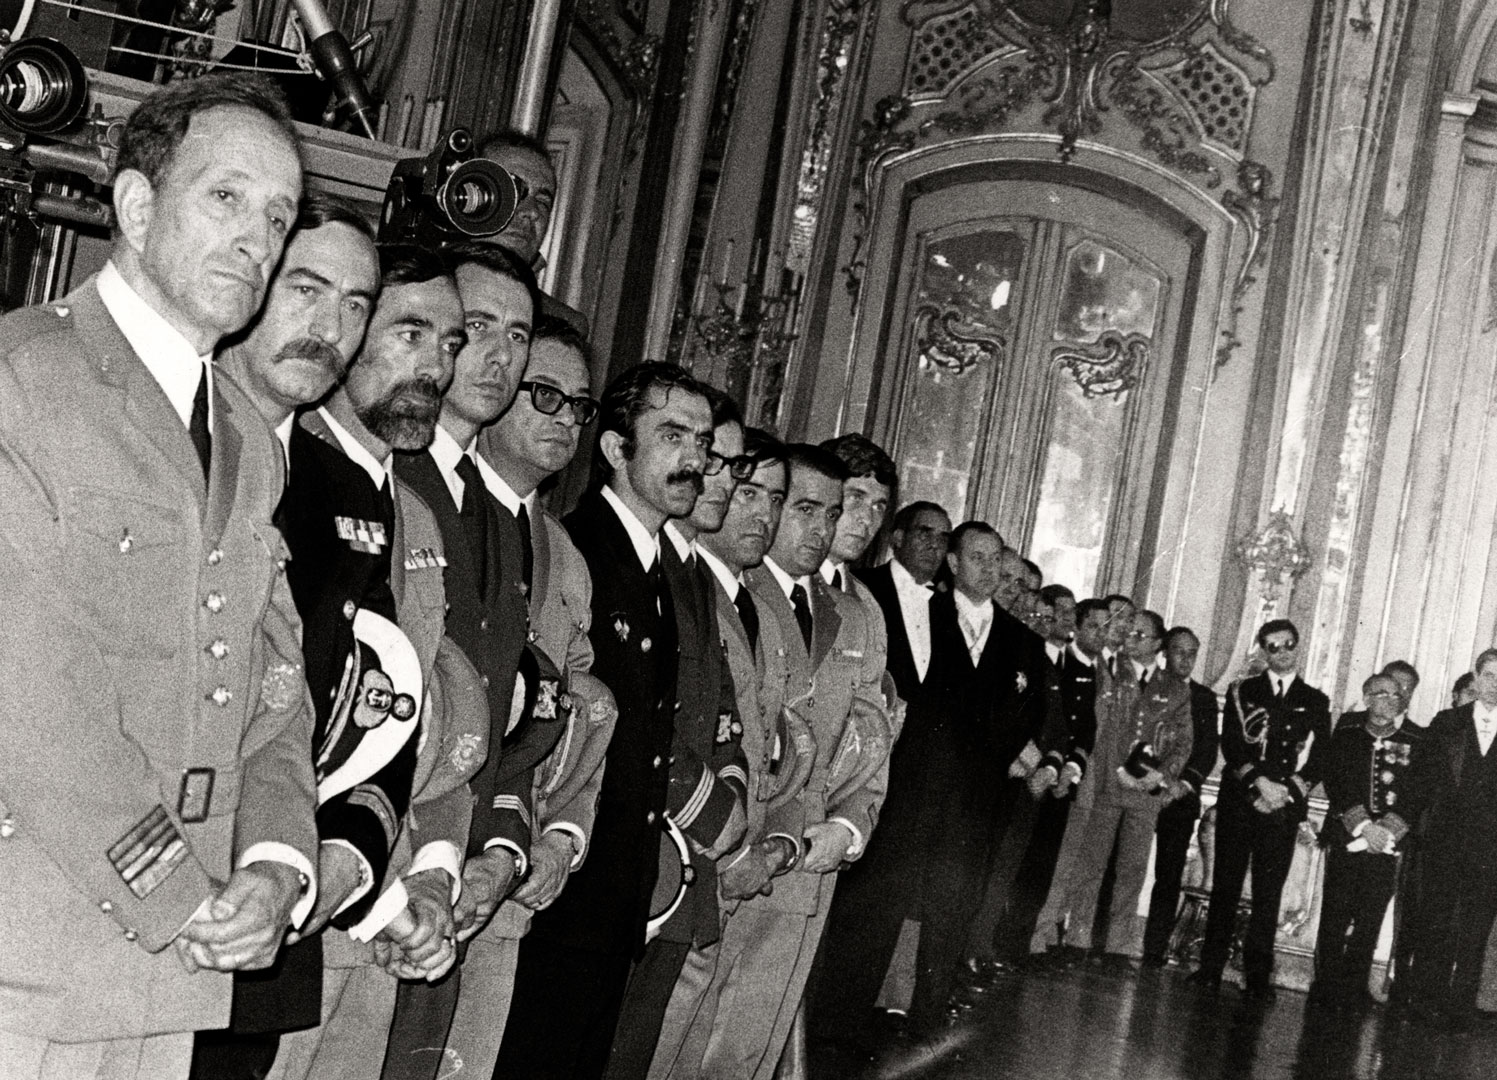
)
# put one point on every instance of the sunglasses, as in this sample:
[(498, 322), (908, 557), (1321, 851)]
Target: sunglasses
[(740, 468), (548, 401), (1275, 647)]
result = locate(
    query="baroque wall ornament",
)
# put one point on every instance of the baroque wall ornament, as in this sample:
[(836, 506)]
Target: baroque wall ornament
[(945, 340), (1275, 553), (1252, 205), (1110, 367), (636, 57)]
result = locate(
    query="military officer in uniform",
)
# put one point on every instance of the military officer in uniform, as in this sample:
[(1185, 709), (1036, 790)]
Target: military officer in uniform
[(156, 789), (1275, 730)]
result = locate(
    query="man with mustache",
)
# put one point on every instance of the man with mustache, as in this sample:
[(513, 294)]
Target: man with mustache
[(363, 543), (656, 430), (488, 577), (155, 788), (708, 772)]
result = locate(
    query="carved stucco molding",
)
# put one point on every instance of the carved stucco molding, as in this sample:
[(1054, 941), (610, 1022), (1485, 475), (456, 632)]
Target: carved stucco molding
[(1110, 367), (1275, 554), (947, 341)]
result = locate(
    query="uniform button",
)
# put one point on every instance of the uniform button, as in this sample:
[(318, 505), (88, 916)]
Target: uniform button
[(810, 703), (280, 565), (483, 624), (215, 556), (350, 609), (214, 602), (105, 906), (62, 311), (485, 680), (656, 762), (531, 636), (221, 696), (650, 818), (219, 649), (131, 935), (7, 828)]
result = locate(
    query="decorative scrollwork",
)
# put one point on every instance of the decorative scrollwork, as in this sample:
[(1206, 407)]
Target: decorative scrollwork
[(1168, 132), (1251, 205), (946, 341), (1274, 552), (1110, 367)]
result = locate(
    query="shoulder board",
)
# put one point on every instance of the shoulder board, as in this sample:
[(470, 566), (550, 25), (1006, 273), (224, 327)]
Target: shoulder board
[(23, 326)]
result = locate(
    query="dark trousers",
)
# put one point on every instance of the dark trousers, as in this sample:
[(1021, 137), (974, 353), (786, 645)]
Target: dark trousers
[(1177, 824), (1405, 920), (1354, 900), (418, 1030), (645, 999), (1244, 836), (1026, 886), (1456, 910), (225, 1055), (951, 885), (565, 1009)]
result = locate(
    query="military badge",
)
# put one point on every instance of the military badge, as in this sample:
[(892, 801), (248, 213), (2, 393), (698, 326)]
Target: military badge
[(464, 753), (621, 626), (1021, 683), (367, 537), (424, 559), (645, 644), (727, 727), (602, 711), (280, 686), (545, 699)]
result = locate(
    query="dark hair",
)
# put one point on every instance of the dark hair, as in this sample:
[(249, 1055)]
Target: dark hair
[(1400, 667), (724, 409), (512, 139), (1089, 605), (1155, 620), (319, 208), (1034, 568), (910, 511), (1374, 677), (411, 264), (550, 328), (762, 446), (498, 260), (1487, 655), (627, 398), (1055, 591), (1176, 632), (155, 130), (1118, 598), (809, 456), (864, 457), (1464, 683), (965, 529), (1278, 626)]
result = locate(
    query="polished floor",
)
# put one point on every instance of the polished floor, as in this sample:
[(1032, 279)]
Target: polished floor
[(1087, 1025)]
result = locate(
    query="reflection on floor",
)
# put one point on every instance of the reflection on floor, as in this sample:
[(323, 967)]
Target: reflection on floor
[(1085, 1025)]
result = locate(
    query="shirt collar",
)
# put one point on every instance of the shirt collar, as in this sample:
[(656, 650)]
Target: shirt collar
[(646, 544), (1080, 656), (446, 452), (730, 583), (1140, 670), (1483, 714), (172, 361), (684, 548), (829, 573), (983, 610), (1283, 682), (784, 580), (905, 581), (283, 433), (357, 452), (500, 489)]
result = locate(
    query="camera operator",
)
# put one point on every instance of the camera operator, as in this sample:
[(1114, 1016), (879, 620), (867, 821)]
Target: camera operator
[(156, 788)]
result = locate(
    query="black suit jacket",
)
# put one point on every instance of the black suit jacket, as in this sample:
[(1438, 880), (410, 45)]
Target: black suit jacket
[(1205, 718), (606, 902), (901, 662), (1074, 736), (1302, 716)]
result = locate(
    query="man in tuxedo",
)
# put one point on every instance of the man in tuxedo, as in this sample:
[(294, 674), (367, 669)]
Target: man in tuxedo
[(156, 796), (1143, 744), (655, 432), (875, 896), (1458, 902), (708, 772), (1177, 821), (1275, 731), (532, 441)]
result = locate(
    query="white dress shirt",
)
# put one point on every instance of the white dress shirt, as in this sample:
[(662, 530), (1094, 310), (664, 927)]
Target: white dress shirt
[(172, 361), (449, 455), (500, 489), (378, 470), (976, 621), (914, 606), (1281, 683), (685, 548), (646, 544), (730, 582), (1486, 725)]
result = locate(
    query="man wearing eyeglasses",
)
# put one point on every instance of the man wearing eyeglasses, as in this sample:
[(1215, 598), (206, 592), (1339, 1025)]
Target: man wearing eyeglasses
[(1275, 733)]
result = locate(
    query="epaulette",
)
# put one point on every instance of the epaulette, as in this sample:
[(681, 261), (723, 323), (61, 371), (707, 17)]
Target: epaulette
[(25, 325)]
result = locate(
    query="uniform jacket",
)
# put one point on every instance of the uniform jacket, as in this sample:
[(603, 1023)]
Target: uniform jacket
[(606, 903), (1387, 780), (999, 703), (122, 570), (1274, 740), (837, 689), (1205, 718), (1157, 714), (1075, 688)]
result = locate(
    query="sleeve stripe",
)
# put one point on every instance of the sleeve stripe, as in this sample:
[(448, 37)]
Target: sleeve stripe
[(515, 805), (698, 801)]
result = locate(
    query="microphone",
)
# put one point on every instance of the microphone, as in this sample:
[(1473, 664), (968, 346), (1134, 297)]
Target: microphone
[(335, 62)]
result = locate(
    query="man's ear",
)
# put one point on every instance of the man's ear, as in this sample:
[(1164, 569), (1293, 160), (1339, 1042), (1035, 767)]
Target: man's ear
[(896, 539), (612, 445), (134, 206), (951, 561)]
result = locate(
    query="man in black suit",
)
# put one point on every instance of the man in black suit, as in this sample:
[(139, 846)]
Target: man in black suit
[(1270, 722), (1177, 821), (1458, 901), (874, 896), (487, 616), (708, 772), (655, 433)]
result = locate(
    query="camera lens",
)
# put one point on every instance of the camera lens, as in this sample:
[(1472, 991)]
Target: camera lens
[(43, 88), (478, 198)]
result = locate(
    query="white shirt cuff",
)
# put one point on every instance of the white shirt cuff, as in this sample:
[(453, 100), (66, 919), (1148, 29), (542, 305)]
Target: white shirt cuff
[(579, 839), (366, 877), (391, 903), (275, 851), (856, 847), (440, 855), (522, 859)]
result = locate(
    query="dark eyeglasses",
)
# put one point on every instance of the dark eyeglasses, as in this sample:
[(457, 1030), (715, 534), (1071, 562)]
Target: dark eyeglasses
[(739, 468), (1273, 648), (548, 401)]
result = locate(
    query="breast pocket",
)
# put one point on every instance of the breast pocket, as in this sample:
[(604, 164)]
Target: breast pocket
[(124, 561)]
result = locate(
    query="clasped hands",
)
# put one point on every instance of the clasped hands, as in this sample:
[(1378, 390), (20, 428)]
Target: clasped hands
[(240, 929), (420, 943), (1379, 838), (1271, 795), (753, 871)]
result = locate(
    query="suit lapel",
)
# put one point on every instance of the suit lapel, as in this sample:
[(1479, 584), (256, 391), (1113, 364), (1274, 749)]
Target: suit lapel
[(223, 469), (540, 567)]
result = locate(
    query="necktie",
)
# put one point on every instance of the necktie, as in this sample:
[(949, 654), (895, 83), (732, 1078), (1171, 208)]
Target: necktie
[(1278, 689), (527, 546), (1143, 680), (475, 525), (197, 427), (837, 580), (748, 613), (1112, 664), (802, 605)]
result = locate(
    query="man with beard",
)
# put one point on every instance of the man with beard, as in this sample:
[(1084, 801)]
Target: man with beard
[(314, 318), (155, 788), (656, 430), (364, 543), (487, 578), (708, 772), (532, 441)]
